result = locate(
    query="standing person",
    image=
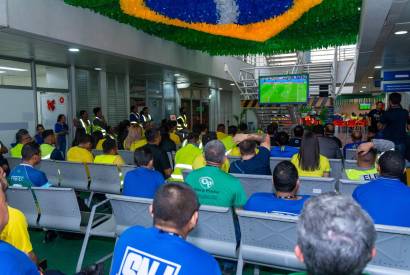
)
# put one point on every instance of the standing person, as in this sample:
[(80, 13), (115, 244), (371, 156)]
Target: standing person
[(395, 121), (39, 131), (374, 117), (134, 116), (99, 122), (61, 130), (145, 117), (85, 122), (182, 121)]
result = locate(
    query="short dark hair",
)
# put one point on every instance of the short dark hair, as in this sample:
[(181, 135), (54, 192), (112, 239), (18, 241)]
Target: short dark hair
[(60, 116), (151, 134), (282, 138), (232, 130), (309, 154), (395, 98), (39, 125), (174, 204), (193, 136), (220, 126), (47, 133), (96, 110), (208, 137), (108, 145), (29, 150), (356, 135), (318, 129), (20, 133), (142, 156), (96, 137), (285, 176), (181, 109), (272, 128), (298, 131), (369, 157), (132, 108), (243, 127), (82, 112), (82, 139), (392, 164), (330, 128), (247, 147), (335, 235)]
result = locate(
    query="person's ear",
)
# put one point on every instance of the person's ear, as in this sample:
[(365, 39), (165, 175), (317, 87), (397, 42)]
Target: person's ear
[(151, 210), (297, 186), (299, 254), (378, 167), (374, 252), (194, 220)]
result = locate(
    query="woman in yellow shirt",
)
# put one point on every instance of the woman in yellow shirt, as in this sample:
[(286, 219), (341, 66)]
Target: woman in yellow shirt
[(309, 162)]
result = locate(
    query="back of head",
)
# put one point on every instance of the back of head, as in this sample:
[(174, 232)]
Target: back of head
[(96, 110), (109, 145), (335, 235), (173, 205), (164, 130), (309, 154), (221, 128), (392, 164), (20, 134), (367, 159), (30, 150), (298, 131), (329, 129), (193, 137), (143, 156), (243, 127), (232, 130), (208, 137), (357, 136), (85, 139), (47, 133), (395, 98), (215, 152), (285, 176), (97, 136), (247, 147), (282, 138), (272, 128), (318, 130), (152, 134), (82, 113)]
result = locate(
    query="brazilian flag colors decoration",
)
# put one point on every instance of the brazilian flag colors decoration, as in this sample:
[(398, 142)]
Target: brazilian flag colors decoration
[(239, 27)]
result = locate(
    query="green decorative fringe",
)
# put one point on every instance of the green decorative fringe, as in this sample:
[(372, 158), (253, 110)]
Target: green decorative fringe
[(332, 23)]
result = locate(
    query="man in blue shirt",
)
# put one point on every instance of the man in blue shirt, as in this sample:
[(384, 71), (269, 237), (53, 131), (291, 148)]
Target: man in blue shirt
[(143, 181), (251, 162), (25, 174), (386, 199), (285, 198), (298, 134), (283, 150), (356, 141), (162, 249)]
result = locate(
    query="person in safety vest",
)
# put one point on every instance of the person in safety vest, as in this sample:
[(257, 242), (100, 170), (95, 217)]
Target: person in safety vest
[(99, 123), (48, 149), (182, 120), (145, 117), (366, 170), (22, 138), (134, 116), (110, 155), (185, 157), (85, 123), (220, 131), (228, 141)]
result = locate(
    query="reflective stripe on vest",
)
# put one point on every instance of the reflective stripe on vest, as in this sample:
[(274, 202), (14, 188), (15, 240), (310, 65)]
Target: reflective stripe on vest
[(184, 124), (88, 128), (183, 166), (177, 177)]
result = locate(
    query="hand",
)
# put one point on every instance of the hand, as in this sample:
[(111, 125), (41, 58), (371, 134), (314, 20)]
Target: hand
[(238, 138), (364, 148)]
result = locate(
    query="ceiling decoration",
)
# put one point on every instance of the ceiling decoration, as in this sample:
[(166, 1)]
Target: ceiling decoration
[(239, 27)]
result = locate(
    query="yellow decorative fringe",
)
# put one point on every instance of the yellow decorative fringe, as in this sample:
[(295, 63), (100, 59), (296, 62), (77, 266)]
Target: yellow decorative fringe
[(260, 31)]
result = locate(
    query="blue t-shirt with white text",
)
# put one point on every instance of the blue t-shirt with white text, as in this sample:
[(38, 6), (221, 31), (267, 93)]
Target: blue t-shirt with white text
[(387, 201), (13, 261), (268, 203), (142, 182), (27, 176), (151, 251)]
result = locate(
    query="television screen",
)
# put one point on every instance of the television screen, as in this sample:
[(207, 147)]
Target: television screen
[(365, 106), (284, 89)]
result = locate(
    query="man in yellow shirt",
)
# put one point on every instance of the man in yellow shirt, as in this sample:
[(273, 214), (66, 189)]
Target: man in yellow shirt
[(22, 138), (172, 133), (220, 131), (228, 141), (110, 155), (82, 152)]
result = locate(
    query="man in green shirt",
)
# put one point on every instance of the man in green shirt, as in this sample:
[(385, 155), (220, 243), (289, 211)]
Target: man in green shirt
[(335, 236), (22, 138), (212, 185)]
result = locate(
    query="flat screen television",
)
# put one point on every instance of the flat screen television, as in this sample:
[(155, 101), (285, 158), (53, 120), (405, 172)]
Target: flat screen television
[(284, 89), (365, 106)]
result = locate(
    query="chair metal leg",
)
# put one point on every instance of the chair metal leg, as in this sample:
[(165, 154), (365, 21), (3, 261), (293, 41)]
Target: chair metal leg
[(256, 270), (239, 266)]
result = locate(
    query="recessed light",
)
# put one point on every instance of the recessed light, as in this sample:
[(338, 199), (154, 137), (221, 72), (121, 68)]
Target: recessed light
[(97, 69), (220, 89), (12, 69), (176, 75), (74, 50), (378, 67), (370, 77), (232, 84), (364, 87), (2, 72), (401, 32)]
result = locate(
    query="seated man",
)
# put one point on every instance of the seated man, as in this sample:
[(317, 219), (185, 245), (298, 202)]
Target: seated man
[(162, 249), (110, 155), (328, 146), (200, 161), (161, 161), (143, 181), (330, 133), (22, 137), (12, 260), (82, 152), (228, 141), (25, 174), (366, 167), (212, 185), (251, 162), (335, 236), (185, 157), (386, 199), (297, 136), (356, 141), (283, 150), (220, 131), (4, 164), (285, 199), (48, 149)]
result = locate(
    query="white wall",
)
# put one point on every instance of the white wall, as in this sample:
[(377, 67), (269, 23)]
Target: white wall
[(17, 111)]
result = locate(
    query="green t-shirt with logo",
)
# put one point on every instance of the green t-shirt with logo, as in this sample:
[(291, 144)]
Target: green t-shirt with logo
[(215, 187)]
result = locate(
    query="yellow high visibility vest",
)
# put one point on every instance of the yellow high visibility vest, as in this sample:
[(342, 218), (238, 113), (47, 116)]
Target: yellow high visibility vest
[(184, 159)]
